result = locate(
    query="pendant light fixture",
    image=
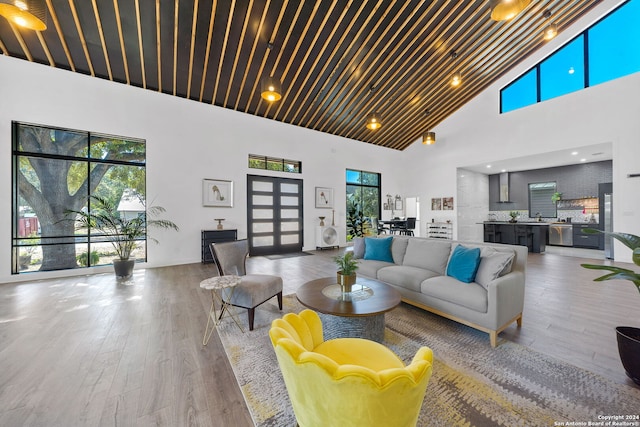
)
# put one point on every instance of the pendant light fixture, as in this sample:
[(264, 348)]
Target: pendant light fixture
[(428, 138), (456, 78), (271, 90), (270, 87), (31, 14), (552, 29), (504, 10), (373, 119)]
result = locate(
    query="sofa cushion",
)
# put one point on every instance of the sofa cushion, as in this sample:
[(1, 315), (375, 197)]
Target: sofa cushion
[(358, 247), (469, 295), (407, 277), (378, 249), (398, 249), (370, 268), (464, 263), (429, 254), (493, 264)]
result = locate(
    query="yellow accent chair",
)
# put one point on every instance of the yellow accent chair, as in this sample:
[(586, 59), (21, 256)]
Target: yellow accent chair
[(347, 381)]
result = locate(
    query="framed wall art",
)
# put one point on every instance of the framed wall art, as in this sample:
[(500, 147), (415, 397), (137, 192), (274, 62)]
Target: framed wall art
[(447, 203), (217, 193), (324, 197), (436, 204)]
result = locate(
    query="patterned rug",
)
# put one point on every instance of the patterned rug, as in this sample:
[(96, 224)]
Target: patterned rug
[(472, 383)]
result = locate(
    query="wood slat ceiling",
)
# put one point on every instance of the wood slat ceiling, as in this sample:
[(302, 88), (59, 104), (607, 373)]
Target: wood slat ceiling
[(338, 60)]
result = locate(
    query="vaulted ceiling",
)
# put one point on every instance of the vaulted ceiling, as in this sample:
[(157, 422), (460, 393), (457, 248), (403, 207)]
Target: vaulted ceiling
[(338, 60)]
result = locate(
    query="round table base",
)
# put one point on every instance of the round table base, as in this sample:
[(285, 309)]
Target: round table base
[(368, 327)]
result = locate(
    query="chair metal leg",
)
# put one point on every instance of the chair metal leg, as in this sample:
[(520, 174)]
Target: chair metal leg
[(280, 300)]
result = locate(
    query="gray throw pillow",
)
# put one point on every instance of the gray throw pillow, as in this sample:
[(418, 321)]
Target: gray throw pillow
[(358, 247), (493, 264)]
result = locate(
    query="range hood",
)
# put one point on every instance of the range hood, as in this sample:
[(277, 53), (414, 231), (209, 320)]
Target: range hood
[(504, 188)]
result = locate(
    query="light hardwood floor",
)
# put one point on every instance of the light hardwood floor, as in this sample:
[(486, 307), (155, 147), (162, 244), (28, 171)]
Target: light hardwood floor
[(91, 351)]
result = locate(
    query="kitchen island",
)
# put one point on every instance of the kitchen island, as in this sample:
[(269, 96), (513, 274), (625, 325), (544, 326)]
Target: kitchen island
[(533, 235)]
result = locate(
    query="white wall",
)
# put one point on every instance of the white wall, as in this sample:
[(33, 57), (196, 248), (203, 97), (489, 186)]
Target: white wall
[(186, 142), (477, 134)]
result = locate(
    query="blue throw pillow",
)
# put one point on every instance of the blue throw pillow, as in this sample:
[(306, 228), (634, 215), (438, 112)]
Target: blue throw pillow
[(378, 249), (464, 263)]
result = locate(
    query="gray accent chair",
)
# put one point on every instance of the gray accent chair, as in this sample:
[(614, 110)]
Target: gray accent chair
[(254, 289)]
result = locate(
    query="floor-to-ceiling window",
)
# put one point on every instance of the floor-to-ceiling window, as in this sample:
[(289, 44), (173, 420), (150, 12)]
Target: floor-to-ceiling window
[(58, 170), (363, 201)]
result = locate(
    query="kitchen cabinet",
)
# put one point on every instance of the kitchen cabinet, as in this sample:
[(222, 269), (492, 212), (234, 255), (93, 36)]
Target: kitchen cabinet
[(581, 240), (215, 236), (531, 235)]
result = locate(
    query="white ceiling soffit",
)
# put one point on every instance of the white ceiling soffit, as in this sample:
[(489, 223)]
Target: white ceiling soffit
[(569, 156)]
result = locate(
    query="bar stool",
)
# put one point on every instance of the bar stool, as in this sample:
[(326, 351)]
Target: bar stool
[(524, 236)]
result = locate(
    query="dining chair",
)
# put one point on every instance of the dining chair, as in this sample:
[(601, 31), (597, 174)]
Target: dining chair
[(410, 226)]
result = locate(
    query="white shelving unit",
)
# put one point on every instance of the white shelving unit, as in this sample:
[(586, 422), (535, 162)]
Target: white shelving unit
[(440, 230)]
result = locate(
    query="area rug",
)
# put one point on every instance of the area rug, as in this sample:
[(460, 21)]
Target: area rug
[(289, 255), (472, 384)]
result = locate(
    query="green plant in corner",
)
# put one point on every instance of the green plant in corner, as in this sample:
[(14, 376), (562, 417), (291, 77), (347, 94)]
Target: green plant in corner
[(123, 233), (347, 264), (629, 240), (556, 197)]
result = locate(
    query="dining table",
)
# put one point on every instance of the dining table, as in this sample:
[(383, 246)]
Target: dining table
[(396, 225)]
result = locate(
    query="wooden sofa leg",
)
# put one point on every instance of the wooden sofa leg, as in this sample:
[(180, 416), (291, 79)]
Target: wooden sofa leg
[(519, 321), (493, 337)]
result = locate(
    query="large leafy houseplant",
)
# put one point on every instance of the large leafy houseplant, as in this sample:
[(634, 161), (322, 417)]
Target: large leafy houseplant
[(628, 336), (123, 233)]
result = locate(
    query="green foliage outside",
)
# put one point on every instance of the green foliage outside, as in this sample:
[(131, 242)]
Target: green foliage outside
[(84, 258)]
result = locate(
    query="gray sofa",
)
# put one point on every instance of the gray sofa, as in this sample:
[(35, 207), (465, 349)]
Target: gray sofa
[(491, 300)]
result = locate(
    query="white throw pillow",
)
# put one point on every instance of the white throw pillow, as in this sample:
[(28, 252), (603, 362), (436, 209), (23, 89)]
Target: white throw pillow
[(493, 264)]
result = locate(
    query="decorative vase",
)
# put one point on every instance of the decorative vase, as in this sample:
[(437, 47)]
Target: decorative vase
[(629, 349), (346, 281), (123, 267)]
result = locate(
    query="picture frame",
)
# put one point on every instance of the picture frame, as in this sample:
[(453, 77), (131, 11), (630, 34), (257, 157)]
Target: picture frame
[(447, 203), (324, 198), (436, 204), (398, 205), (217, 193)]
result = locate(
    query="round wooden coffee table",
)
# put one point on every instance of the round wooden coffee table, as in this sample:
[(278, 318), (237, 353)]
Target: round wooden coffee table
[(360, 314)]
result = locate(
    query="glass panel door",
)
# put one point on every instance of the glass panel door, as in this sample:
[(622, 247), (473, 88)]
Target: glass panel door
[(274, 215)]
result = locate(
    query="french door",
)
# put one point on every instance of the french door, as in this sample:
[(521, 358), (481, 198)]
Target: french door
[(274, 215)]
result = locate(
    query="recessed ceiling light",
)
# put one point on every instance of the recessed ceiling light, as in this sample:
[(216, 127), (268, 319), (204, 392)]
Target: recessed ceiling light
[(503, 170), (583, 160), (574, 153), (488, 166)]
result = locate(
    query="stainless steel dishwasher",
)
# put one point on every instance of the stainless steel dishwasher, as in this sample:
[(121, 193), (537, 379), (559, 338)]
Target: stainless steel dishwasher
[(561, 234)]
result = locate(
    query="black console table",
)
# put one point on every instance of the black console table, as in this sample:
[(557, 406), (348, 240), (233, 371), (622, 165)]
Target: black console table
[(215, 236)]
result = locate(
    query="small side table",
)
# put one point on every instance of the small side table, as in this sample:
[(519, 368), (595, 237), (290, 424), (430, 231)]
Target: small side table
[(220, 287)]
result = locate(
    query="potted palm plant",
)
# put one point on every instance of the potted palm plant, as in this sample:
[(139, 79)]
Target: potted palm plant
[(628, 336), (347, 266), (123, 233)]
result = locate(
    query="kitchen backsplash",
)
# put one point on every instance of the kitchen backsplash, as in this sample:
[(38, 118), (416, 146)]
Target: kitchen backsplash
[(578, 215)]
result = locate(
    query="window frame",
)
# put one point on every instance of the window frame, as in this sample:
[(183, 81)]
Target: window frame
[(18, 242)]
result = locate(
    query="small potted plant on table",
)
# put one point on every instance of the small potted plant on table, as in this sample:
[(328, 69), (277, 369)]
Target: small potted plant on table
[(347, 266)]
